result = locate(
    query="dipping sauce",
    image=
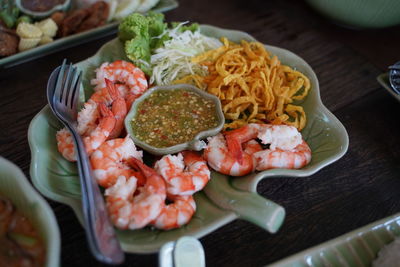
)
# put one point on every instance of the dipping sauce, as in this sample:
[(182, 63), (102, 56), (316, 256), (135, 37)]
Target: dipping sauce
[(20, 244), (41, 5), (170, 117)]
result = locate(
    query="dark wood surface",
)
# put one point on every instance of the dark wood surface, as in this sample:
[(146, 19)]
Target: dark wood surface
[(360, 188)]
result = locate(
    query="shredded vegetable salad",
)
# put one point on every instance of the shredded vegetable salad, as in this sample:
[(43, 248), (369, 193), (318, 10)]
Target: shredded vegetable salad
[(172, 61)]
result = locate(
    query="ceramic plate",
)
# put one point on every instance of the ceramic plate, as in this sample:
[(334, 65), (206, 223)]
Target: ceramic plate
[(15, 186), (383, 80), (357, 248), (224, 199), (65, 42)]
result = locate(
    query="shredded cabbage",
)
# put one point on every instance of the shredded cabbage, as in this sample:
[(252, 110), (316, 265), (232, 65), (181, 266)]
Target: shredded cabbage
[(172, 61)]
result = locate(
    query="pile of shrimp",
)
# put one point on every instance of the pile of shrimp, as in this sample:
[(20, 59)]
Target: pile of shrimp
[(136, 194), (117, 85)]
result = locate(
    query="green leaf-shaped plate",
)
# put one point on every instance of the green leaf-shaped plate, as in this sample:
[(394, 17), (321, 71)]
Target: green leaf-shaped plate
[(224, 199)]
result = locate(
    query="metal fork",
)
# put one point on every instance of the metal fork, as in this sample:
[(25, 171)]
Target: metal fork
[(63, 97)]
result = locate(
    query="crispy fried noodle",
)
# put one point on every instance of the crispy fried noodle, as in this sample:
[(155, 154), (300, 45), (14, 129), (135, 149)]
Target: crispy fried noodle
[(252, 84)]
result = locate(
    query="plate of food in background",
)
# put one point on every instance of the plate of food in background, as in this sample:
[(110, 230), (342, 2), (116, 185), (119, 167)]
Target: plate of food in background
[(29, 231), (376, 244), (272, 110), (31, 29)]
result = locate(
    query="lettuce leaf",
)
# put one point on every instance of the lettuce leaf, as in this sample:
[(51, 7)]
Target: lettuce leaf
[(138, 50), (141, 34), (157, 26), (134, 25)]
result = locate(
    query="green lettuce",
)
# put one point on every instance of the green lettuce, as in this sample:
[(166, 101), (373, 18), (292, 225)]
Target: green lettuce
[(138, 50), (157, 26), (134, 25), (141, 35)]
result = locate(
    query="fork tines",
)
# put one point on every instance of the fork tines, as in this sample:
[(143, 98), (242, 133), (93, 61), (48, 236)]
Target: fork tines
[(67, 85)]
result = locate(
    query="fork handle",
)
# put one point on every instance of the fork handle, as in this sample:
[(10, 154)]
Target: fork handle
[(99, 231)]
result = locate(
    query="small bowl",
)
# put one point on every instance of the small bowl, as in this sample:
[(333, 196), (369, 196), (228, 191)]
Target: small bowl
[(43, 14), (15, 186), (194, 144)]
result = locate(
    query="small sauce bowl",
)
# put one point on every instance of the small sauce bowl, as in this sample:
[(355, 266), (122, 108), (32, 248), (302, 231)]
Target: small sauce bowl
[(43, 14), (194, 144)]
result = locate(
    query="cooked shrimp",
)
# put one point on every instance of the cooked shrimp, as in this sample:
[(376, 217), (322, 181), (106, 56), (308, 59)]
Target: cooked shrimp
[(118, 109), (185, 174), (88, 118), (295, 158), (65, 144), (87, 122), (92, 141), (235, 139), (101, 96), (128, 78), (109, 96), (279, 136), (222, 160), (99, 135), (134, 212), (286, 149), (119, 199), (175, 214), (109, 161)]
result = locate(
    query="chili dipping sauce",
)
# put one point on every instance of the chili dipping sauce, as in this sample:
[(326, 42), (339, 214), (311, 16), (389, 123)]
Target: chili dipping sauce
[(170, 117)]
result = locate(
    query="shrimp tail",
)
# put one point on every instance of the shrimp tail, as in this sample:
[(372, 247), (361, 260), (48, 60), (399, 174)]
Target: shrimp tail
[(137, 164), (102, 131), (235, 148), (119, 108), (234, 143), (138, 173), (152, 177), (191, 157), (235, 139), (141, 179), (111, 89)]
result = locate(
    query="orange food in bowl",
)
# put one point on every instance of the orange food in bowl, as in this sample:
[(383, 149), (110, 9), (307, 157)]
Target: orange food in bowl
[(20, 242)]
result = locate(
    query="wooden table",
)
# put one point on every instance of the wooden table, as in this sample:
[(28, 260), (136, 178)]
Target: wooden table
[(360, 188)]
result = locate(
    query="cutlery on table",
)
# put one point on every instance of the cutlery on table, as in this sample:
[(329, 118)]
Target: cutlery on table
[(394, 77), (63, 97)]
